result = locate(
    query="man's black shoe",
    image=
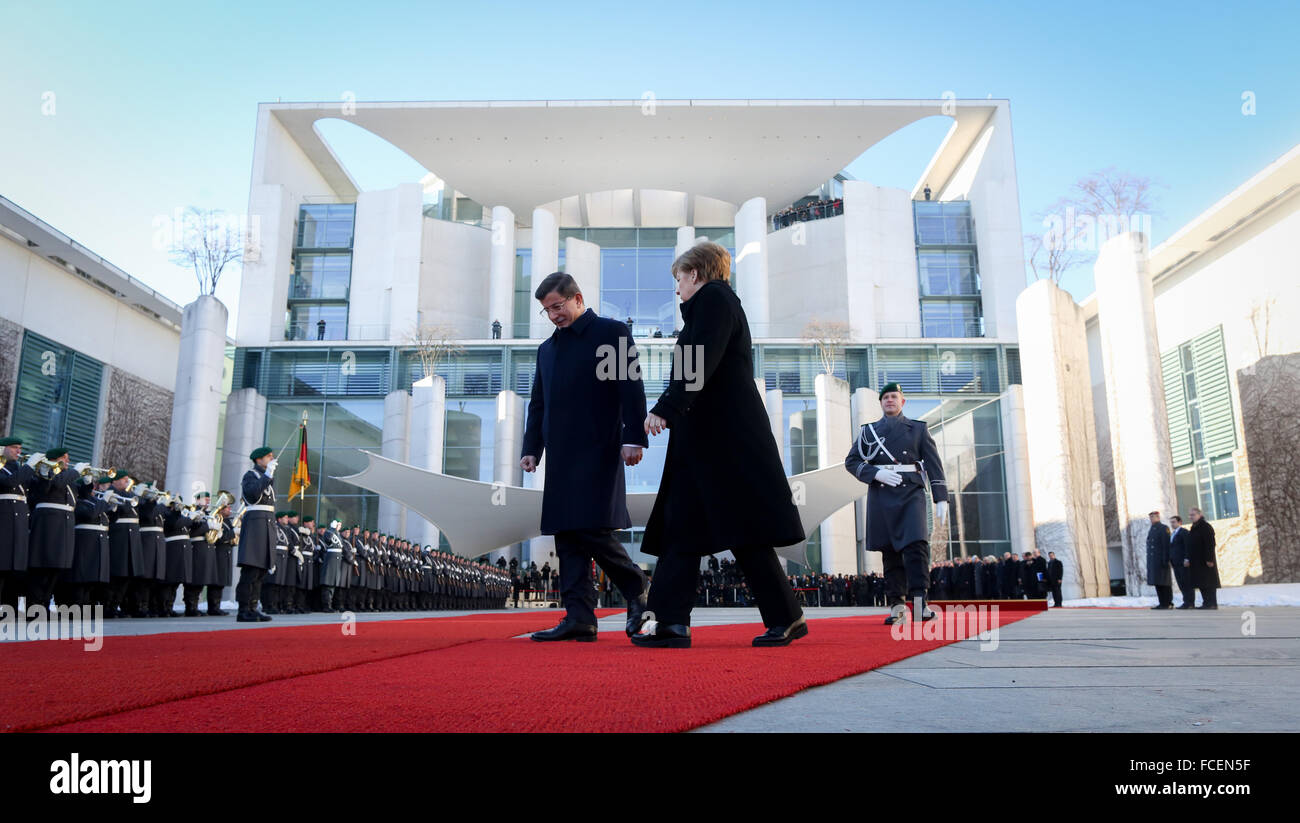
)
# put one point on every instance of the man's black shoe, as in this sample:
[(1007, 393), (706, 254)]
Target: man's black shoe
[(568, 630), (1186, 606), (245, 616), (259, 615), (1207, 607), (656, 635), (782, 635), (1162, 606), (636, 614)]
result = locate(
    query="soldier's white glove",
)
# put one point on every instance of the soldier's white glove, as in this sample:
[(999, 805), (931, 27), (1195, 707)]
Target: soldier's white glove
[(35, 458), (297, 553), (80, 467), (889, 477), (941, 514), (270, 467)]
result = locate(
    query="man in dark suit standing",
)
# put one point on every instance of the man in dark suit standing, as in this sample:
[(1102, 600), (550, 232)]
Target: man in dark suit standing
[(1178, 559), (1158, 574), (1201, 560), (586, 411), (1055, 573)]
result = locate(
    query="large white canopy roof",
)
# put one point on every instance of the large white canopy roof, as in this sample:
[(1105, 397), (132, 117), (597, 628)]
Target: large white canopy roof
[(527, 154)]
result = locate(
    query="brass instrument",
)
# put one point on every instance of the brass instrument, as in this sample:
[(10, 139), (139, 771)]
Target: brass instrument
[(45, 468), (215, 520)]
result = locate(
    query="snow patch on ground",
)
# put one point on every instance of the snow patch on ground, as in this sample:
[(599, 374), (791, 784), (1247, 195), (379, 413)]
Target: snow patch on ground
[(1263, 594)]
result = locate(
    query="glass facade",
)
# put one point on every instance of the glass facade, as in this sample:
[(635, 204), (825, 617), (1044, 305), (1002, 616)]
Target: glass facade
[(322, 273), (342, 391), (948, 269), (636, 281)]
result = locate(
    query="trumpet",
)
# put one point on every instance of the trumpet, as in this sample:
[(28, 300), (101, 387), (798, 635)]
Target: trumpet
[(45, 469), (215, 520), (85, 469)]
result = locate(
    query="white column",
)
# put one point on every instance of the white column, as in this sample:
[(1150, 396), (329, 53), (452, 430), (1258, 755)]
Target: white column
[(774, 401), (685, 239), (245, 430), (1064, 477), (396, 434), (1135, 397), (834, 435), (505, 451), (196, 403), (864, 408), (546, 259), (751, 264), (1015, 450), (541, 548), (582, 263), (501, 271), (428, 421)]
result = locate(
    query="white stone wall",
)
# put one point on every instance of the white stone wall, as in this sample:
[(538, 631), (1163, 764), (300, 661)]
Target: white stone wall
[(191, 452), (883, 289), (454, 279), (834, 436), (386, 271)]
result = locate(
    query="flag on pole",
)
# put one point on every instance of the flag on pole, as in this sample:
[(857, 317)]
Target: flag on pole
[(301, 480)]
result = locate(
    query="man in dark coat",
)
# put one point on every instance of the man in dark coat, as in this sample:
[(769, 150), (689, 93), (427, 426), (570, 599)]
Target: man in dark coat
[(257, 537), (15, 481), (586, 410), (895, 457), (1010, 576), (1158, 572), (1202, 561), (221, 554), (1178, 559), (705, 504), (50, 549), (1055, 574), (127, 590), (89, 568)]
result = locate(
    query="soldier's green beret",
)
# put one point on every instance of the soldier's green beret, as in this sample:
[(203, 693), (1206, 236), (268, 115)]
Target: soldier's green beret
[(888, 387), (11, 441), (292, 513), (280, 514), (257, 454), (104, 479), (308, 519), (55, 454), (197, 495)]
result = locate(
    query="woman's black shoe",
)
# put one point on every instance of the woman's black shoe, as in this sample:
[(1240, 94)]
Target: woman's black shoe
[(656, 635), (782, 635)]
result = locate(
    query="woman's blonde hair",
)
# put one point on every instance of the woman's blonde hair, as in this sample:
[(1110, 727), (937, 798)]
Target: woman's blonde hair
[(708, 260)]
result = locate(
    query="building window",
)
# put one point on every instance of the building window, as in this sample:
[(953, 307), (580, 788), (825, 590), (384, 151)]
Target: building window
[(948, 269), (57, 399), (322, 273), (1202, 429)]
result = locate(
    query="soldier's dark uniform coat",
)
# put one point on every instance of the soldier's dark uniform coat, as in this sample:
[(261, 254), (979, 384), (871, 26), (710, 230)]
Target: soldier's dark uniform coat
[(896, 515), (15, 480), (90, 554), (50, 546), (257, 536)]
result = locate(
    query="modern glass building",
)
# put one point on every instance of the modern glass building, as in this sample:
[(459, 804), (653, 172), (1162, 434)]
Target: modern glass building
[(918, 291)]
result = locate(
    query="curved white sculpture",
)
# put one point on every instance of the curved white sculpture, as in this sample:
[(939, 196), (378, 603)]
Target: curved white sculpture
[(479, 517)]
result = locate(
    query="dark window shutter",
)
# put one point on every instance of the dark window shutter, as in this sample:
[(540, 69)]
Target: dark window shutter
[(1214, 392), (1180, 433)]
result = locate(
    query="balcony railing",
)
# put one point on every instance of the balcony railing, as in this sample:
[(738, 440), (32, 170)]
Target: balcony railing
[(312, 330), (932, 328)]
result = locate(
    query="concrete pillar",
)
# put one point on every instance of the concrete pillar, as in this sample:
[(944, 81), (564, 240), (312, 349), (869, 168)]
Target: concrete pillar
[(1135, 398), (501, 272), (546, 259), (864, 407), (1064, 477), (685, 239), (542, 547), (1015, 450), (396, 434), (196, 403), (582, 262), (774, 400), (834, 435), (428, 423), (245, 431), (505, 453), (751, 264)]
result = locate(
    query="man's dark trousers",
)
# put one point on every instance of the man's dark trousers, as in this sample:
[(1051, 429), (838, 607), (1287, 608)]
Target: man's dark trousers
[(1164, 595), (1056, 594), (907, 572), (1183, 576), (576, 549)]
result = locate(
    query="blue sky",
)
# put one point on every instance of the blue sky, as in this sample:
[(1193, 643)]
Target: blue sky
[(155, 104)]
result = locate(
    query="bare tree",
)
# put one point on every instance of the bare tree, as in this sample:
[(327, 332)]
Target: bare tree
[(1101, 205), (208, 241), (1261, 316), (829, 337), (433, 343)]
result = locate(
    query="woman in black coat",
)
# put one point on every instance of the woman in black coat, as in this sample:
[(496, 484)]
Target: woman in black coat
[(723, 484), (1202, 561)]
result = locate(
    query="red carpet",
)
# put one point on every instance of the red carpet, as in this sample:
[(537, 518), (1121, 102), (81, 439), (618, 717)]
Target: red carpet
[(44, 683), (441, 675)]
